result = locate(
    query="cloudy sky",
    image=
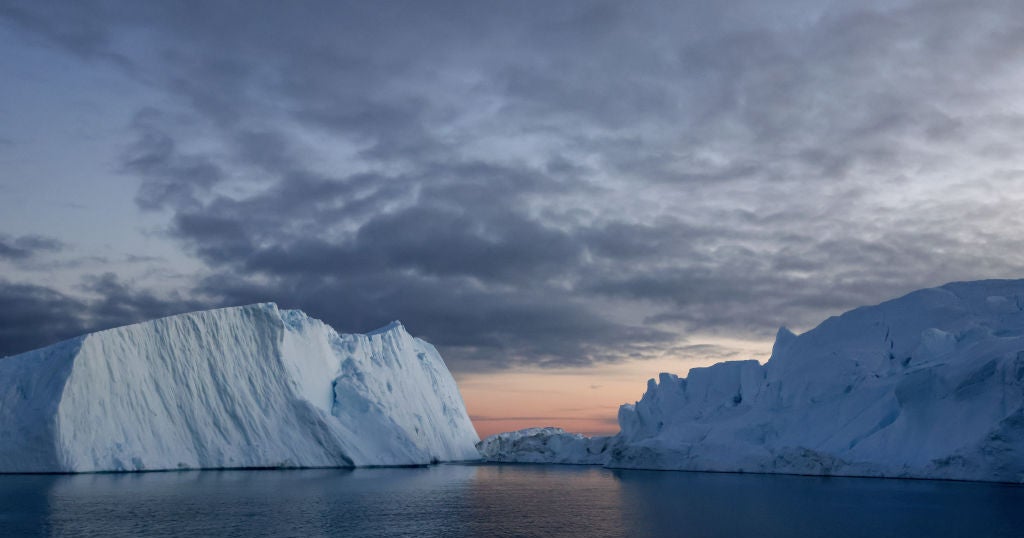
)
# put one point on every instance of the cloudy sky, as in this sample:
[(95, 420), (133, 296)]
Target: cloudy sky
[(579, 192)]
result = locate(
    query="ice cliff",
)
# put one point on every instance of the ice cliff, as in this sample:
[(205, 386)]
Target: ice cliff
[(243, 387), (929, 385)]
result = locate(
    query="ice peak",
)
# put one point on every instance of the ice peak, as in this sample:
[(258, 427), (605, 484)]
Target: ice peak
[(783, 338), (393, 326)]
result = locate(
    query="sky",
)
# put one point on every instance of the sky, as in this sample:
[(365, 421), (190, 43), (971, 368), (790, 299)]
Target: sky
[(566, 198)]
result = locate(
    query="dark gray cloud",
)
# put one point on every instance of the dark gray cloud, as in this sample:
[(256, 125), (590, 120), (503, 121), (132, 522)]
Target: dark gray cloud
[(566, 184), (118, 302), (169, 177), (33, 316), (476, 327), (26, 247)]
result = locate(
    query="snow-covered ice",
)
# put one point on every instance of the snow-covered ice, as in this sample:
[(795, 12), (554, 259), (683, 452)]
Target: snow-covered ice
[(544, 445), (929, 385), (241, 387)]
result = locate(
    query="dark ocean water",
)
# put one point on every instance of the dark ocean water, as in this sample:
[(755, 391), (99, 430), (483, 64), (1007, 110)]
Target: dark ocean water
[(500, 500)]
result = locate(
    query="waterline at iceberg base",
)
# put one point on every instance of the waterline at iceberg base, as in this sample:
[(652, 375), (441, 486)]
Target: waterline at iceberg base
[(242, 387), (929, 385)]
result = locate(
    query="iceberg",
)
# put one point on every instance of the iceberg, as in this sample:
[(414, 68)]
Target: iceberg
[(544, 445), (929, 385), (242, 387)]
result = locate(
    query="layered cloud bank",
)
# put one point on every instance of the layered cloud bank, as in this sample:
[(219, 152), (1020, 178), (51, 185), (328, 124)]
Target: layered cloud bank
[(930, 385), (241, 387), (554, 185)]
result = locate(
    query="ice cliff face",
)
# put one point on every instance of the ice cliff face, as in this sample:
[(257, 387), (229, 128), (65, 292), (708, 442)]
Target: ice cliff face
[(250, 386), (930, 385)]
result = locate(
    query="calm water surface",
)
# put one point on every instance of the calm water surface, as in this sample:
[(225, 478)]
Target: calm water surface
[(500, 500)]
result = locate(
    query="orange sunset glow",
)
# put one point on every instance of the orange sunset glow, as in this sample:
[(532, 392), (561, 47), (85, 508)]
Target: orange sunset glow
[(583, 400)]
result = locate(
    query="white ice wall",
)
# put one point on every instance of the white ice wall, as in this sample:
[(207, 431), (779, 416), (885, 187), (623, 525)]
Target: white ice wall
[(236, 387), (930, 385)]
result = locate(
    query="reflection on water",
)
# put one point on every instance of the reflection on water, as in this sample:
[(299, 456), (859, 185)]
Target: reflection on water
[(499, 500), (544, 500), (718, 504)]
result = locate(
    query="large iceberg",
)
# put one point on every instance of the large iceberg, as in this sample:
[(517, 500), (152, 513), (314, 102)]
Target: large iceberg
[(930, 385), (242, 387)]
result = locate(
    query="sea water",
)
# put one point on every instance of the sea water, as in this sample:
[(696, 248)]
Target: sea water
[(500, 500)]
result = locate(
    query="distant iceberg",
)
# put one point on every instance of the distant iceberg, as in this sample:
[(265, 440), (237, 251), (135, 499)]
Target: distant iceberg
[(242, 387), (545, 445), (930, 385)]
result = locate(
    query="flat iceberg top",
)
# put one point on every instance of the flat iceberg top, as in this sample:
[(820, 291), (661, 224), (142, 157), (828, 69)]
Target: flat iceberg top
[(291, 316), (929, 385), (248, 386)]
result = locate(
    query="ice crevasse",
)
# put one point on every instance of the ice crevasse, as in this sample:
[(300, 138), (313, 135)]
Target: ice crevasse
[(240, 387)]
